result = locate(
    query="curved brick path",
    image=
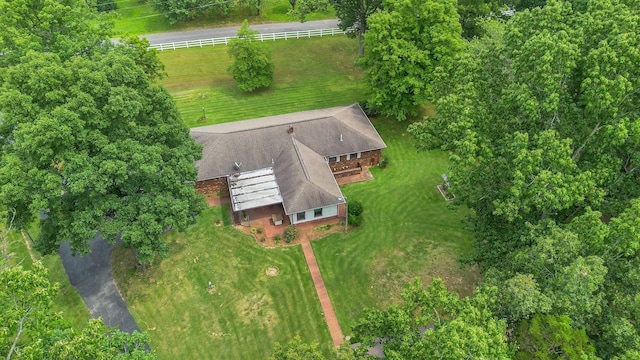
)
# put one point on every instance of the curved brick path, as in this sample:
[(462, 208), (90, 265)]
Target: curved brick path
[(325, 302)]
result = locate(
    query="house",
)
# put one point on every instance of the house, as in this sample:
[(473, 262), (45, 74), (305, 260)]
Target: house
[(291, 159)]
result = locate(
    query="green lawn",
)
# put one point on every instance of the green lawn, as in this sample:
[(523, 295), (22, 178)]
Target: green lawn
[(309, 74), (137, 17), (244, 313), (408, 231)]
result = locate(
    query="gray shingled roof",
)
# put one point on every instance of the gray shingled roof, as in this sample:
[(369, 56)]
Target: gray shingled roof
[(305, 180), (267, 142)]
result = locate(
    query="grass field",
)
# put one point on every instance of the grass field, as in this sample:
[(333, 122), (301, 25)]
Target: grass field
[(408, 231), (136, 17), (309, 74), (244, 313)]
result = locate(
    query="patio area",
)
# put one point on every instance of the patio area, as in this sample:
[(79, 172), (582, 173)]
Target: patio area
[(259, 221)]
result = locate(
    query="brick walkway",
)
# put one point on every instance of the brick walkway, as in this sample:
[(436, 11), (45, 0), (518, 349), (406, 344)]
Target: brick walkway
[(325, 302)]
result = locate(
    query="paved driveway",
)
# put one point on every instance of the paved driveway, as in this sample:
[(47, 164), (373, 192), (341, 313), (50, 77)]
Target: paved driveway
[(91, 275)]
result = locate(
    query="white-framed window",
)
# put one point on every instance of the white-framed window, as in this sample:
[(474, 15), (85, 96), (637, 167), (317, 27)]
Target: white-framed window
[(301, 216), (317, 213), (334, 159), (353, 156)]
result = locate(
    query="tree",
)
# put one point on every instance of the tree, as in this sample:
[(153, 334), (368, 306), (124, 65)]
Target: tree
[(65, 27), (406, 42), (182, 10), (96, 147), (472, 13), (106, 5), (552, 337), (252, 66), (354, 15), (301, 8), (541, 118), (30, 329), (433, 323), (297, 350)]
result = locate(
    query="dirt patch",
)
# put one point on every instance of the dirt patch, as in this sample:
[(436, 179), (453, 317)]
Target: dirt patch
[(257, 308), (427, 261), (272, 271)]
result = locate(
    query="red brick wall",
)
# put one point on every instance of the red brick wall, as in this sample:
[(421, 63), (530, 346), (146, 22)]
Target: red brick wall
[(212, 186), (367, 158)]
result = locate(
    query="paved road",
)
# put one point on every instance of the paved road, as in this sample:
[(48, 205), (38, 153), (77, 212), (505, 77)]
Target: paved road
[(201, 34), (91, 275)]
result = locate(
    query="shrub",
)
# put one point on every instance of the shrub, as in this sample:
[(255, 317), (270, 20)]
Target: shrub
[(291, 233), (260, 230), (384, 162), (369, 109), (355, 208), (278, 237), (355, 220)]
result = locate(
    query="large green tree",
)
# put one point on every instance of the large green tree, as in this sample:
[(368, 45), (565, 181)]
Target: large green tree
[(30, 329), (433, 323), (95, 146), (406, 42), (183, 10), (252, 66), (354, 17), (65, 27), (542, 120)]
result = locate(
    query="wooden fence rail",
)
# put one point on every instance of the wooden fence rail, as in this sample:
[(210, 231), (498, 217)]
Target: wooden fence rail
[(261, 37)]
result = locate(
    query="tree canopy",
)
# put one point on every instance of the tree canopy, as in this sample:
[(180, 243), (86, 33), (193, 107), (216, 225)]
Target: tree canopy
[(30, 329), (65, 27), (406, 42), (433, 323), (541, 117), (252, 66), (96, 147)]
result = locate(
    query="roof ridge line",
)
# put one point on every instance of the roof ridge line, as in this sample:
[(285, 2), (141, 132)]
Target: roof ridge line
[(304, 167)]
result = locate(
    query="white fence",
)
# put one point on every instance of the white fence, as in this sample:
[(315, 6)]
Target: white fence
[(261, 37)]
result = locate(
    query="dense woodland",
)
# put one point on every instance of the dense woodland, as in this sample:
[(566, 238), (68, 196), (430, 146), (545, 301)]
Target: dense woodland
[(539, 111)]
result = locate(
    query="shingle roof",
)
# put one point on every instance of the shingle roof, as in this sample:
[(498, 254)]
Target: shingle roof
[(305, 180), (268, 142)]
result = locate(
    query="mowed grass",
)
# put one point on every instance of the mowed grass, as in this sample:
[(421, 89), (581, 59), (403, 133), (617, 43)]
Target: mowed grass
[(68, 300), (244, 313), (136, 17), (408, 231), (310, 73)]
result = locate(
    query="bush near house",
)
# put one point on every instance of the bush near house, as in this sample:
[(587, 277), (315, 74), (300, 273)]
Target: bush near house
[(291, 233), (355, 213)]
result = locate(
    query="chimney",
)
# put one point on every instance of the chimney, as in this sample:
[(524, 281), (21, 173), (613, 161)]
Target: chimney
[(290, 129)]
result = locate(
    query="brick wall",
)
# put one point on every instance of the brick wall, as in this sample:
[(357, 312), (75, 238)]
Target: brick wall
[(212, 186), (367, 158)]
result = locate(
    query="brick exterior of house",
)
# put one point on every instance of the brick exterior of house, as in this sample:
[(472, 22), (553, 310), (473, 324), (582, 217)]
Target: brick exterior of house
[(366, 159), (212, 186)]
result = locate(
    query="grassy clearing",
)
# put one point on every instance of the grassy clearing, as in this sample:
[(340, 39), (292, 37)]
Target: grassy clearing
[(68, 301), (309, 74), (136, 17), (408, 231), (244, 313)]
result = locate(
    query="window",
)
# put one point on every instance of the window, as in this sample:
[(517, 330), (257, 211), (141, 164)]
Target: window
[(317, 212), (301, 216), (333, 159), (353, 156)]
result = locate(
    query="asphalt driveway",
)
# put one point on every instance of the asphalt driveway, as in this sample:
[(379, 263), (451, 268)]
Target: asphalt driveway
[(91, 275)]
